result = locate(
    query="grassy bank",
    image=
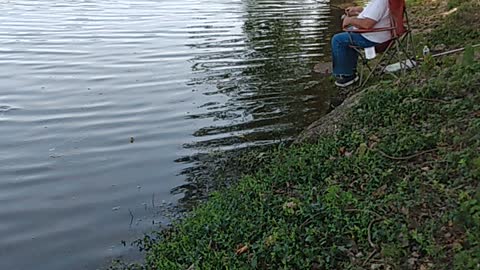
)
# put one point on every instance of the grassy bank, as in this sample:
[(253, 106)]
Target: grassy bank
[(396, 188)]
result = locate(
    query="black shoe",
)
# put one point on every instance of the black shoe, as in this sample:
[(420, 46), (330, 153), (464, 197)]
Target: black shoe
[(347, 80)]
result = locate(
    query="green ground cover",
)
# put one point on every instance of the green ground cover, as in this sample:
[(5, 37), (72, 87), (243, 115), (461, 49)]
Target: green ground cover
[(397, 188)]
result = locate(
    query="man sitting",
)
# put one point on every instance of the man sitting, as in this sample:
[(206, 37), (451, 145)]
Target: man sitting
[(375, 15)]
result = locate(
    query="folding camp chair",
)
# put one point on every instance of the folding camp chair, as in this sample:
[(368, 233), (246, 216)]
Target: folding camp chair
[(401, 47)]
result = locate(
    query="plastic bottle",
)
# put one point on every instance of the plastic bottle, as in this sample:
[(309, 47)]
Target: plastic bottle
[(426, 51)]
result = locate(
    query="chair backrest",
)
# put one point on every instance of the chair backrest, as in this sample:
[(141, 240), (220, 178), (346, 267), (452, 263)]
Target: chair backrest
[(397, 11)]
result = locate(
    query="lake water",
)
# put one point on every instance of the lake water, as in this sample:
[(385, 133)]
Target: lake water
[(103, 104)]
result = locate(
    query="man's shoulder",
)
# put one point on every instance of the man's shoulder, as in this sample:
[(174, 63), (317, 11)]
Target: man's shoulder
[(377, 4), (376, 10)]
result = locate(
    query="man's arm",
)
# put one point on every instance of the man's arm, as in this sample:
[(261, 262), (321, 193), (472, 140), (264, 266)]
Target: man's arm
[(365, 23), (353, 11)]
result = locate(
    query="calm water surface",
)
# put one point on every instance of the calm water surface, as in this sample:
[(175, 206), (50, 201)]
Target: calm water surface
[(80, 78)]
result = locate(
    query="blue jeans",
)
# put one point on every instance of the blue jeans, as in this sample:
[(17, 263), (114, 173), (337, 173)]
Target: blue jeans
[(345, 58)]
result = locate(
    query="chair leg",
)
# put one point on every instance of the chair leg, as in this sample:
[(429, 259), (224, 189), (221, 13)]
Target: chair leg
[(413, 50), (380, 61), (406, 50), (364, 67), (396, 50), (361, 75)]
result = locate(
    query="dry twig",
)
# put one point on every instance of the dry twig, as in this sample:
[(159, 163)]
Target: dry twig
[(373, 245), (406, 157), (309, 220)]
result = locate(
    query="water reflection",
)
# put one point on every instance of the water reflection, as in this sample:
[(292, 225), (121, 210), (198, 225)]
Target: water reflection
[(80, 78), (256, 81)]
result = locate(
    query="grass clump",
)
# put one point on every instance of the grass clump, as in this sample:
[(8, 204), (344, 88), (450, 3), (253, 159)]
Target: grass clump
[(461, 27), (454, 3)]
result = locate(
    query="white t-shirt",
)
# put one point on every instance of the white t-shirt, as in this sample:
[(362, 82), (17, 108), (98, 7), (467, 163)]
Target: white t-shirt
[(378, 11)]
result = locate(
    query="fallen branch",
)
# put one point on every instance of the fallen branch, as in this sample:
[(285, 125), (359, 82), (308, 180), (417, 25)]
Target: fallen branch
[(369, 238), (406, 157), (453, 51), (370, 257), (449, 12), (309, 220), (373, 245), (434, 100), (364, 210)]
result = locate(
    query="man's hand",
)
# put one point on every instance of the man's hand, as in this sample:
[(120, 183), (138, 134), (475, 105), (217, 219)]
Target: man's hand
[(353, 11), (346, 21)]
